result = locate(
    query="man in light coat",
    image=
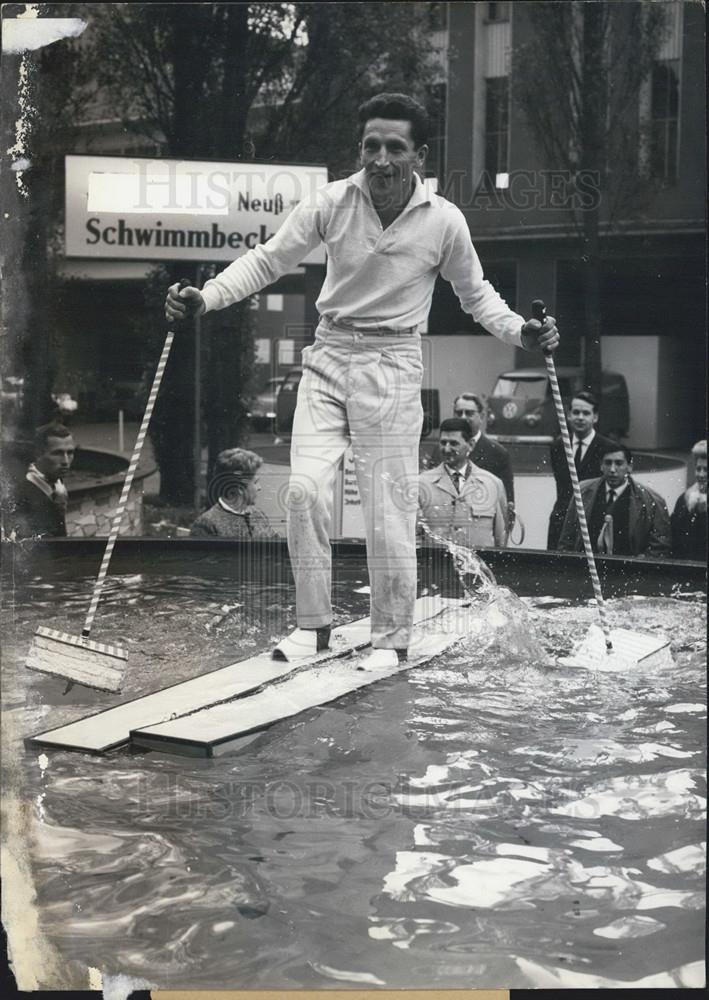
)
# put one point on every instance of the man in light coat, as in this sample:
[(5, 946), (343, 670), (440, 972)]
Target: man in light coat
[(458, 501)]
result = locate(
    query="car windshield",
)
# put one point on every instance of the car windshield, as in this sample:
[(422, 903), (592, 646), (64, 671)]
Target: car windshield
[(526, 387)]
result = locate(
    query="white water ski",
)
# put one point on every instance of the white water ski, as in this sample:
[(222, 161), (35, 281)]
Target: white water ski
[(630, 651), (111, 728), (222, 728)]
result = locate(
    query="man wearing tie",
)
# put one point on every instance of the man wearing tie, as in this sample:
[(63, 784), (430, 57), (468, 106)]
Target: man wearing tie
[(624, 518), (485, 453), (41, 498), (588, 448), (458, 501)]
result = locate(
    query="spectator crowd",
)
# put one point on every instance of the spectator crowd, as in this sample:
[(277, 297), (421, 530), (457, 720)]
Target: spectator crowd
[(466, 492)]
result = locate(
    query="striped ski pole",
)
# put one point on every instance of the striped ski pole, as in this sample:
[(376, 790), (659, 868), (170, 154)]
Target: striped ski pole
[(122, 503), (539, 312)]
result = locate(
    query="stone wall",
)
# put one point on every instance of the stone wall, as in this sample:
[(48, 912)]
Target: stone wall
[(90, 513)]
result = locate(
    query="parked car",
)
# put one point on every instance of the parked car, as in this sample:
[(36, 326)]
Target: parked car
[(521, 407), (262, 408), (285, 405)]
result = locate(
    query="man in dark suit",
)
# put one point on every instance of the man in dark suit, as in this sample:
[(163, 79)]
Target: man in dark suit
[(587, 447), (41, 497), (624, 518), (486, 453)]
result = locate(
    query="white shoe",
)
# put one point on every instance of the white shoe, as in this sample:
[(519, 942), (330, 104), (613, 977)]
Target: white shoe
[(380, 659), (299, 645)]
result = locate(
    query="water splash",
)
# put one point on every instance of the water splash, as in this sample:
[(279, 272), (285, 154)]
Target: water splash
[(504, 625), (467, 563)]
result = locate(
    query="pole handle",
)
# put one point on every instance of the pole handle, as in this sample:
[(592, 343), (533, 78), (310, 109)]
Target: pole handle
[(128, 482), (539, 313)]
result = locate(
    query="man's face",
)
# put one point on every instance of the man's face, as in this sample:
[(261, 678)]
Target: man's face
[(468, 410), (582, 418), (700, 473), (615, 468), (56, 460), (389, 157), (454, 449)]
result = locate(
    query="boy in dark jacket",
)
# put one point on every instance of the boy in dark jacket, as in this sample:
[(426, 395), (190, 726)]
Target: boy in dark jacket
[(41, 498), (624, 518)]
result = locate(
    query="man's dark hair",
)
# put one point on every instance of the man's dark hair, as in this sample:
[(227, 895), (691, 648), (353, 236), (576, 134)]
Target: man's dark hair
[(43, 433), (587, 397), (399, 106), (614, 446), (471, 397), (457, 424)]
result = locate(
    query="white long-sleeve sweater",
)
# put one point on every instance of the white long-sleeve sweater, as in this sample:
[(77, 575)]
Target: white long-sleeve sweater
[(375, 277)]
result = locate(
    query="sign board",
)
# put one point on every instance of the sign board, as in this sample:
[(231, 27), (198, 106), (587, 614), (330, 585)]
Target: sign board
[(156, 209), (352, 517)]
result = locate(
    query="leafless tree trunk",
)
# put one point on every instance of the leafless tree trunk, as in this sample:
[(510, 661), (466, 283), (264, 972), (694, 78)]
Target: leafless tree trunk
[(577, 74)]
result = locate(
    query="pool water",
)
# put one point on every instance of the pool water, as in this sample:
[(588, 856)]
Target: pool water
[(484, 820)]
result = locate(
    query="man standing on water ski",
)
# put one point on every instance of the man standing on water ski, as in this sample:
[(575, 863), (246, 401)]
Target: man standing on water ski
[(387, 239)]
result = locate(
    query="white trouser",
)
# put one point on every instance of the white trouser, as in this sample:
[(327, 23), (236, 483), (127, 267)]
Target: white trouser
[(364, 389)]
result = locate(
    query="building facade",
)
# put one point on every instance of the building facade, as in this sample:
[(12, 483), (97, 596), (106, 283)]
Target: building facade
[(653, 267), (485, 159)]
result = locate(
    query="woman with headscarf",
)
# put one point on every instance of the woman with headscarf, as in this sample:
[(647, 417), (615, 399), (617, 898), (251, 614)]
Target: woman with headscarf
[(689, 518), (233, 491)]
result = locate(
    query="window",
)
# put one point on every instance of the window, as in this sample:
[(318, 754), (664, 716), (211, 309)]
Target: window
[(286, 352), (496, 125), (263, 350), (498, 12), (664, 119), (521, 386)]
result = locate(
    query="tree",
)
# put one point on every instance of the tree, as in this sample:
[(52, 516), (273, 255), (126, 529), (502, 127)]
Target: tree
[(234, 81), (230, 362), (42, 89), (577, 76)]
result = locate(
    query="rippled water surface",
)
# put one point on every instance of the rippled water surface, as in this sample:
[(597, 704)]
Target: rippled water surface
[(484, 820)]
